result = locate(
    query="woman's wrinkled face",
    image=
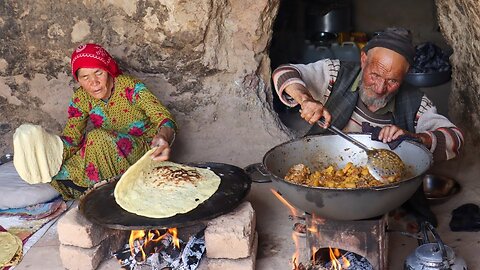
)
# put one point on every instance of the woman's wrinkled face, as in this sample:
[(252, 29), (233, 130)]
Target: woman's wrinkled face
[(97, 82), (383, 73)]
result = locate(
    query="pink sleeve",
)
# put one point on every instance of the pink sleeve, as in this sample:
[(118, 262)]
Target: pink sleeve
[(284, 76)]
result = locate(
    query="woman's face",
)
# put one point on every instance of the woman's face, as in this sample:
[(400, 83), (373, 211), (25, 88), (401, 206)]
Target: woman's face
[(97, 82)]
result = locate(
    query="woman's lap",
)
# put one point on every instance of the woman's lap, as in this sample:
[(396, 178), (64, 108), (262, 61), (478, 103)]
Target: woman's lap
[(106, 154)]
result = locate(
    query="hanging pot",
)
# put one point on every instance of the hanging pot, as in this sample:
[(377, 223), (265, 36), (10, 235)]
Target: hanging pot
[(335, 21)]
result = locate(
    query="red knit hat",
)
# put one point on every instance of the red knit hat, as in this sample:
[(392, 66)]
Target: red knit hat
[(93, 56)]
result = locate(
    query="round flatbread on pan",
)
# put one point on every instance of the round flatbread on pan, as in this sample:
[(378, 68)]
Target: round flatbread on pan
[(163, 189)]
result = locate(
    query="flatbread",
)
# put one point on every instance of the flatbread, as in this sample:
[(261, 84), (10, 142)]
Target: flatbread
[(163, 189), (38, 154), (10, 249)]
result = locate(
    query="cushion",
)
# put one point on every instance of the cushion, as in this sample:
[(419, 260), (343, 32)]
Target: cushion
[(17, 193)]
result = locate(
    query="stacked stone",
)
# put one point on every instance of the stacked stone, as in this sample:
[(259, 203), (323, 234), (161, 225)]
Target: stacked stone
[(84, 245), (231, 240)]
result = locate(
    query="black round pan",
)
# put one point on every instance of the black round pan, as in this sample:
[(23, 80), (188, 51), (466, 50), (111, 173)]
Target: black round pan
[(99, 205)]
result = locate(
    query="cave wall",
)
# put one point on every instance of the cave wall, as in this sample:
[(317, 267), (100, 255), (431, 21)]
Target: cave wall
[(459, 22), (207, 61)]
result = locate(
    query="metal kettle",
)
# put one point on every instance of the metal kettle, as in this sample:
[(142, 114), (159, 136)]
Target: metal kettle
[(433, 256)]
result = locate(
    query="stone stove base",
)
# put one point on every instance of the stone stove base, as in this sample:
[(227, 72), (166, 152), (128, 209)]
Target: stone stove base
[(231, 241)]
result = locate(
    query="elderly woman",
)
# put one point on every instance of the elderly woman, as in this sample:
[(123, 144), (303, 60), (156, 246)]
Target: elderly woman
[(126, 119)]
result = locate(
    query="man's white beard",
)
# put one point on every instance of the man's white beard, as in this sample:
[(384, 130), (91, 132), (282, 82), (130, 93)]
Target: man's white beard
[(370, 101)]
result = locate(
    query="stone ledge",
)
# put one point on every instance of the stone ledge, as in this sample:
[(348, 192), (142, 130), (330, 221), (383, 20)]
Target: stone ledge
[(75, 230), (232, 264), (77, 258), (230, 236)]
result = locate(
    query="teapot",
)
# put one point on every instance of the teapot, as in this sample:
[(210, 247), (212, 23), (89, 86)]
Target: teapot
[(434, 255)]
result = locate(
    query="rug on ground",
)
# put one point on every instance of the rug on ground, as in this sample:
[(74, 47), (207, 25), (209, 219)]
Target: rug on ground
[(28, 224)]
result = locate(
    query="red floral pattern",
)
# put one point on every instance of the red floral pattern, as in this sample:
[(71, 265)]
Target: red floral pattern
[(68, 139), (92, 172), (135, 131), (129, 94), (73, 112), (124, 147), (97, 120)]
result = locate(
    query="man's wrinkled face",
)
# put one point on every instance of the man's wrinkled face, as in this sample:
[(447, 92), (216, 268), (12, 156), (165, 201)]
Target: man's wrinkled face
[(97, 82), (383, 73)]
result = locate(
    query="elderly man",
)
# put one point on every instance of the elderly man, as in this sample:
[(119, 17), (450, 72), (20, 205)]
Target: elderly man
[(349, 94)]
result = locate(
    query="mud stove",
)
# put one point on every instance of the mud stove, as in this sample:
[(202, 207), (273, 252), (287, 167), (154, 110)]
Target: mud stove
[(366, 238)]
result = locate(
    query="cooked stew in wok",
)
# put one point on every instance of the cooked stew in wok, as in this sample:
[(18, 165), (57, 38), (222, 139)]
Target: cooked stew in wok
[(350, 176)]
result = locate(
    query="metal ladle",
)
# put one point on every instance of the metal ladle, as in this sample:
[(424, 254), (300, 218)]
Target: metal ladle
[(383, 164)]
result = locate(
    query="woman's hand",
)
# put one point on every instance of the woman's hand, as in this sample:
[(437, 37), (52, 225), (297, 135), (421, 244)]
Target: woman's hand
[(162, 141)]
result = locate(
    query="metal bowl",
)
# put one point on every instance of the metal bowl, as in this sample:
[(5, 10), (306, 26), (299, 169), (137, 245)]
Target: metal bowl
[(439, 189), (428, 79), (6, 158)]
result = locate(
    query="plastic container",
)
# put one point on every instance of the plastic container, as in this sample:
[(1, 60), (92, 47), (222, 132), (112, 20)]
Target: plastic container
[(347, 51), (314, 53)]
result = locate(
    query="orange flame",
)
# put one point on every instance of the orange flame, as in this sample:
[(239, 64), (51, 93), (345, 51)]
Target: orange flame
[(175, 240), (142, 238), (295, 255), (293, 211), (336, 265), (346, 262), (136, 235)]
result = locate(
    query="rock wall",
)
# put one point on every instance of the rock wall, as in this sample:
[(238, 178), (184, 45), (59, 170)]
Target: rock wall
[(459, 21), (207, 61)]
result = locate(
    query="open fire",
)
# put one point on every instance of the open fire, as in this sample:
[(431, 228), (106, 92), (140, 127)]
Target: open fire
[(334, 256), (321, 258), (147, 241), (293, 211), (161, 249)]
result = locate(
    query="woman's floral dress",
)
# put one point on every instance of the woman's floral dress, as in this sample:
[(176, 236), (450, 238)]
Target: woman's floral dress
[(122, 130)]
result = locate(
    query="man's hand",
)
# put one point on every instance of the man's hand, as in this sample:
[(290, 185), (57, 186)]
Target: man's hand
[(162, 143), (391, 133), (313, 110)]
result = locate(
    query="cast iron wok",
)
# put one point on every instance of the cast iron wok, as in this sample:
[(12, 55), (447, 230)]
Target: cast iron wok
[(318, 151), (99, 205)]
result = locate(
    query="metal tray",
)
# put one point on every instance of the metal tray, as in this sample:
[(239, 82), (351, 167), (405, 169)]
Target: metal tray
[(6, 158)]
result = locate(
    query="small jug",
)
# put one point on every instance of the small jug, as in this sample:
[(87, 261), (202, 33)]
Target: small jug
[(433, 256)]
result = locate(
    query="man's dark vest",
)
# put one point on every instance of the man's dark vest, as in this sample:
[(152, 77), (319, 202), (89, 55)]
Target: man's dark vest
[(342, 101)]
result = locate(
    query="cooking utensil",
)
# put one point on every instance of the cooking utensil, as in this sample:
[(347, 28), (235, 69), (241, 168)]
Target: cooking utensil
[(439, 189), (382, 164), (317, 151), (433, 255), (428, 79), (99, 205)]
